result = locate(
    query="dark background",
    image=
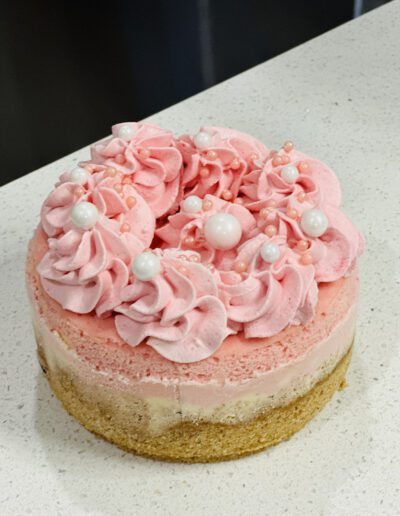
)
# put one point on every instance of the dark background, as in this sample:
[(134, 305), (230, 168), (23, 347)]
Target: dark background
[(69, 70)]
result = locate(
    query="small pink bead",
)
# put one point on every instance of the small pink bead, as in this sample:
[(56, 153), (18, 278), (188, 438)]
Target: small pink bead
[(194, 258), (306, 259), (240, 266), (276, 161), (110, 172), (292, 213), (144, 153), (126, 180), (302, 245), (118, 188), (253, 157), (303, 166), (235, 164), (211, 155), (211, 267), (288, 146), (207, 205), (120, 159), (189, 241), (238, 200), (182, 269), (204, 172), (130, 202), (285, 159), (301, 197), (79, 191), (270, 230), (272, 203), (125, 227), (264, 213), (227, 195)]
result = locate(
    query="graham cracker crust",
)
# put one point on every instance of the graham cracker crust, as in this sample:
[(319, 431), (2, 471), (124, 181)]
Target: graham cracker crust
[(196, 442)]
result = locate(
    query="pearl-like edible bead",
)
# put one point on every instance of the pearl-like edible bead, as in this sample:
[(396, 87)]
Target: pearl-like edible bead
[(314, 222), (240, 266), (235, 164), (130, 202), (289, 173), (204, 172), (192, 204), (211, 155), (146, 265), (79, 175), (227, 195), (84, 215), (120, 159), (125, 132), (207, 205), (223, 231), (202, 140), (270, 252), (270, 230)]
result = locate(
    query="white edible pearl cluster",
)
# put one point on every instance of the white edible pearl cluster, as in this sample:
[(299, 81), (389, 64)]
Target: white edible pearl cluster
[(289, 173), (223, 231), (202, 140), (270, 252), (314, 222), (79, 175), (146, 266), (125, 132), (84, 215), (192, 204)]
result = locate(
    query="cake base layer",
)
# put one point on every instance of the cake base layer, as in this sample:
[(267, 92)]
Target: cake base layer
[(203, 441)]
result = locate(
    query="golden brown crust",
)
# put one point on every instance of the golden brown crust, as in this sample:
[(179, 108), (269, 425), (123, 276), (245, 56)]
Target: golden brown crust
[(196, 442)]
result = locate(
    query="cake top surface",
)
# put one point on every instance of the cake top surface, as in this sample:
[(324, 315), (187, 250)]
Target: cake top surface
[(184, 241)]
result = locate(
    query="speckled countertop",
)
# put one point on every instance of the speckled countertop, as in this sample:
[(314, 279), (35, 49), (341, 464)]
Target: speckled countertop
[(338, 98)]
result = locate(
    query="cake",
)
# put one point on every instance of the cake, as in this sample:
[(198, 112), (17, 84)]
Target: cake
[(194, 298)]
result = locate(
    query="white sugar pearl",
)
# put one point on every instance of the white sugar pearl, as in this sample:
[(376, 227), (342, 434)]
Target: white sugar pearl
[(289, 173), (314, 222), (79, 175), (223, 231), (202, 140), (146, 265), (270, 252), (84, 215), (192, 204), (125, 132)]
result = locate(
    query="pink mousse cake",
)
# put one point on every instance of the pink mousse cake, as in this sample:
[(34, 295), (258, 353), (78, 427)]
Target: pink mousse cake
[(194, 298)]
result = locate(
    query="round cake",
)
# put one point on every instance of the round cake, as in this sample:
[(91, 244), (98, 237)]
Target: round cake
[(194, 298)]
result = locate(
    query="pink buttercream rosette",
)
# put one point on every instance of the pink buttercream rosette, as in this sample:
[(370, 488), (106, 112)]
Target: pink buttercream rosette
[(201, 294), (152, 160), (85, 270), (229, 157), (177, 313)]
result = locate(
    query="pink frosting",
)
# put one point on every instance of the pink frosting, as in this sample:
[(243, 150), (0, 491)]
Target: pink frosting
[(157, 177), (183, 225), (186, 311), (228, 145), (86, 270), (178, 311), (268, 297)]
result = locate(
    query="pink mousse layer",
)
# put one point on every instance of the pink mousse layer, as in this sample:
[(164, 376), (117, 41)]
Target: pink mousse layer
[(267, 364)]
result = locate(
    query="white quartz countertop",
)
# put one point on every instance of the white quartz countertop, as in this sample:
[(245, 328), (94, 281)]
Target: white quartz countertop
[(338, 98)]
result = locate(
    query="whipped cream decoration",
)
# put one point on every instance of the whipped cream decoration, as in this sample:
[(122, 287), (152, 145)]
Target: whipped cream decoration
[(188, 230), (216, 160), (185, 241), (270, 295), (88, 261), (177, 311), (148, 155)]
